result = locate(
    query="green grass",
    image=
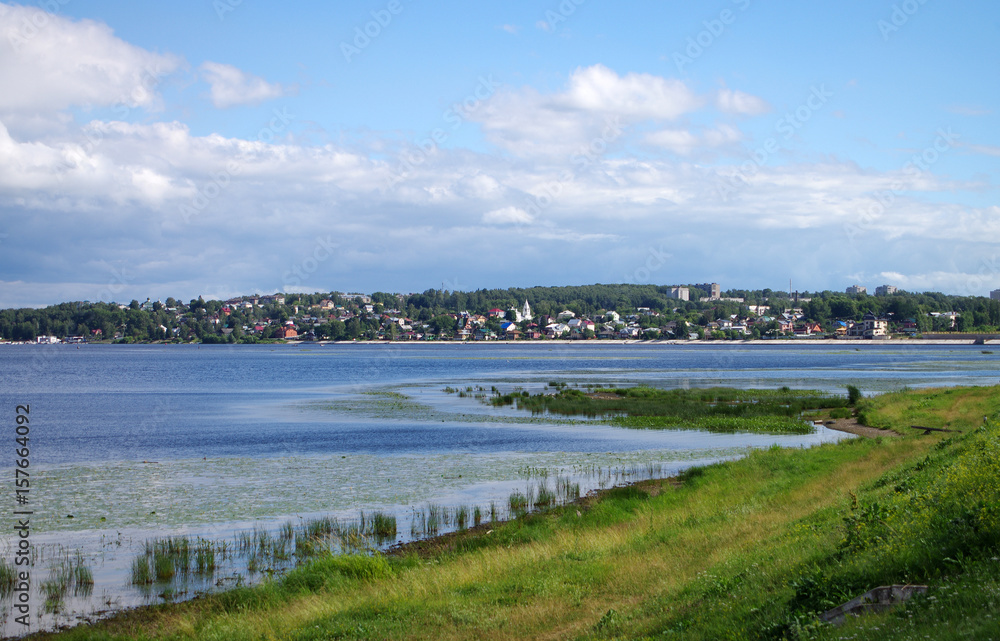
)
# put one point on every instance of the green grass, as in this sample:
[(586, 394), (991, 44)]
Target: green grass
[(746, 549), (717, 409), (8, 577)]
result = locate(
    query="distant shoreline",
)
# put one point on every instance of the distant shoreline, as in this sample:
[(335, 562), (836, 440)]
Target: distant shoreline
[(765, 342), (593, 342)]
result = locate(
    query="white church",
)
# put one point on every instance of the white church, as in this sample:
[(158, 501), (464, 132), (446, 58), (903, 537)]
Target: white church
[(524, 314)]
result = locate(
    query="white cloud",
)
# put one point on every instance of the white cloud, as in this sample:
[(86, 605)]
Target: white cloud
[(679, 141), (732, 101), (49, 63), (639, 96), (684, 142), (591, 111), (231, 86), (987, 150), (970, 110), (511, 29), (508, 216)]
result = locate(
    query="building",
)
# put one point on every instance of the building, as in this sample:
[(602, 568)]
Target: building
[(523, 314), (678, 293), (995, 294), (857, 289), (885, 290), (712, 289), (870, 327)]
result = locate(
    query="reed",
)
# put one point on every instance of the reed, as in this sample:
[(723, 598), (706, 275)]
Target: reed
[(8, 578), (141, 573), (462, 517)]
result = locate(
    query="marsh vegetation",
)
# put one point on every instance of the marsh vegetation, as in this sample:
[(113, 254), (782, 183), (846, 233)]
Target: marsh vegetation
[(717, 409)]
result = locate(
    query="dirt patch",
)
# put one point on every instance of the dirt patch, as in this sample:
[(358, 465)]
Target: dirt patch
[(604, 396), (852, 426)]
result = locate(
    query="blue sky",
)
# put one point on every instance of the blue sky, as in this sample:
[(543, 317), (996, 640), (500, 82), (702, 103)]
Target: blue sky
[(222, 147)]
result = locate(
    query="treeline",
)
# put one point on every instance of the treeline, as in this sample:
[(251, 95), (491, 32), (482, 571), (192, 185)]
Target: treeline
[(205, 320), (583, 300)]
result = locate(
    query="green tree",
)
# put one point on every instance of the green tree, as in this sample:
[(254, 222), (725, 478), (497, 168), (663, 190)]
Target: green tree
[(444, 325)]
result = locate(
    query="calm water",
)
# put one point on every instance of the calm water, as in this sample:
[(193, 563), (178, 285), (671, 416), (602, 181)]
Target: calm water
[(141, 441)]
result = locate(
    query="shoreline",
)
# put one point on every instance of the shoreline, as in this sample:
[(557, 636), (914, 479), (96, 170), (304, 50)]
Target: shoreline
[(447, 542), (785, 342)]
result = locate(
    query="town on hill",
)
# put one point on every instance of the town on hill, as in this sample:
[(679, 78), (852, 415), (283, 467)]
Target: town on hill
[(609, 312)]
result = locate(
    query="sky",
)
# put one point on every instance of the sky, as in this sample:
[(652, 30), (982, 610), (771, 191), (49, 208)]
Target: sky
[(224, 147)]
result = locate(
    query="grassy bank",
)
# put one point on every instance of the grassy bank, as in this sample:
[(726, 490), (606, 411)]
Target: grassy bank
[(749, 549)]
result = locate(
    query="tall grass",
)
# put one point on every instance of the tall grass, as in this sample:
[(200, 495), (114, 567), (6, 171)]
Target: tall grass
[(8, 578)]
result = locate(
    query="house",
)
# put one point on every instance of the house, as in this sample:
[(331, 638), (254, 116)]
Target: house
[(483, 334), (286, 333), (950, 316), (808, 329), (566, 315), (870, 327), (556, 330)]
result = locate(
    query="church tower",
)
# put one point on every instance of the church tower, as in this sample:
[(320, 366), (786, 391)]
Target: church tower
[(526, 311)]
